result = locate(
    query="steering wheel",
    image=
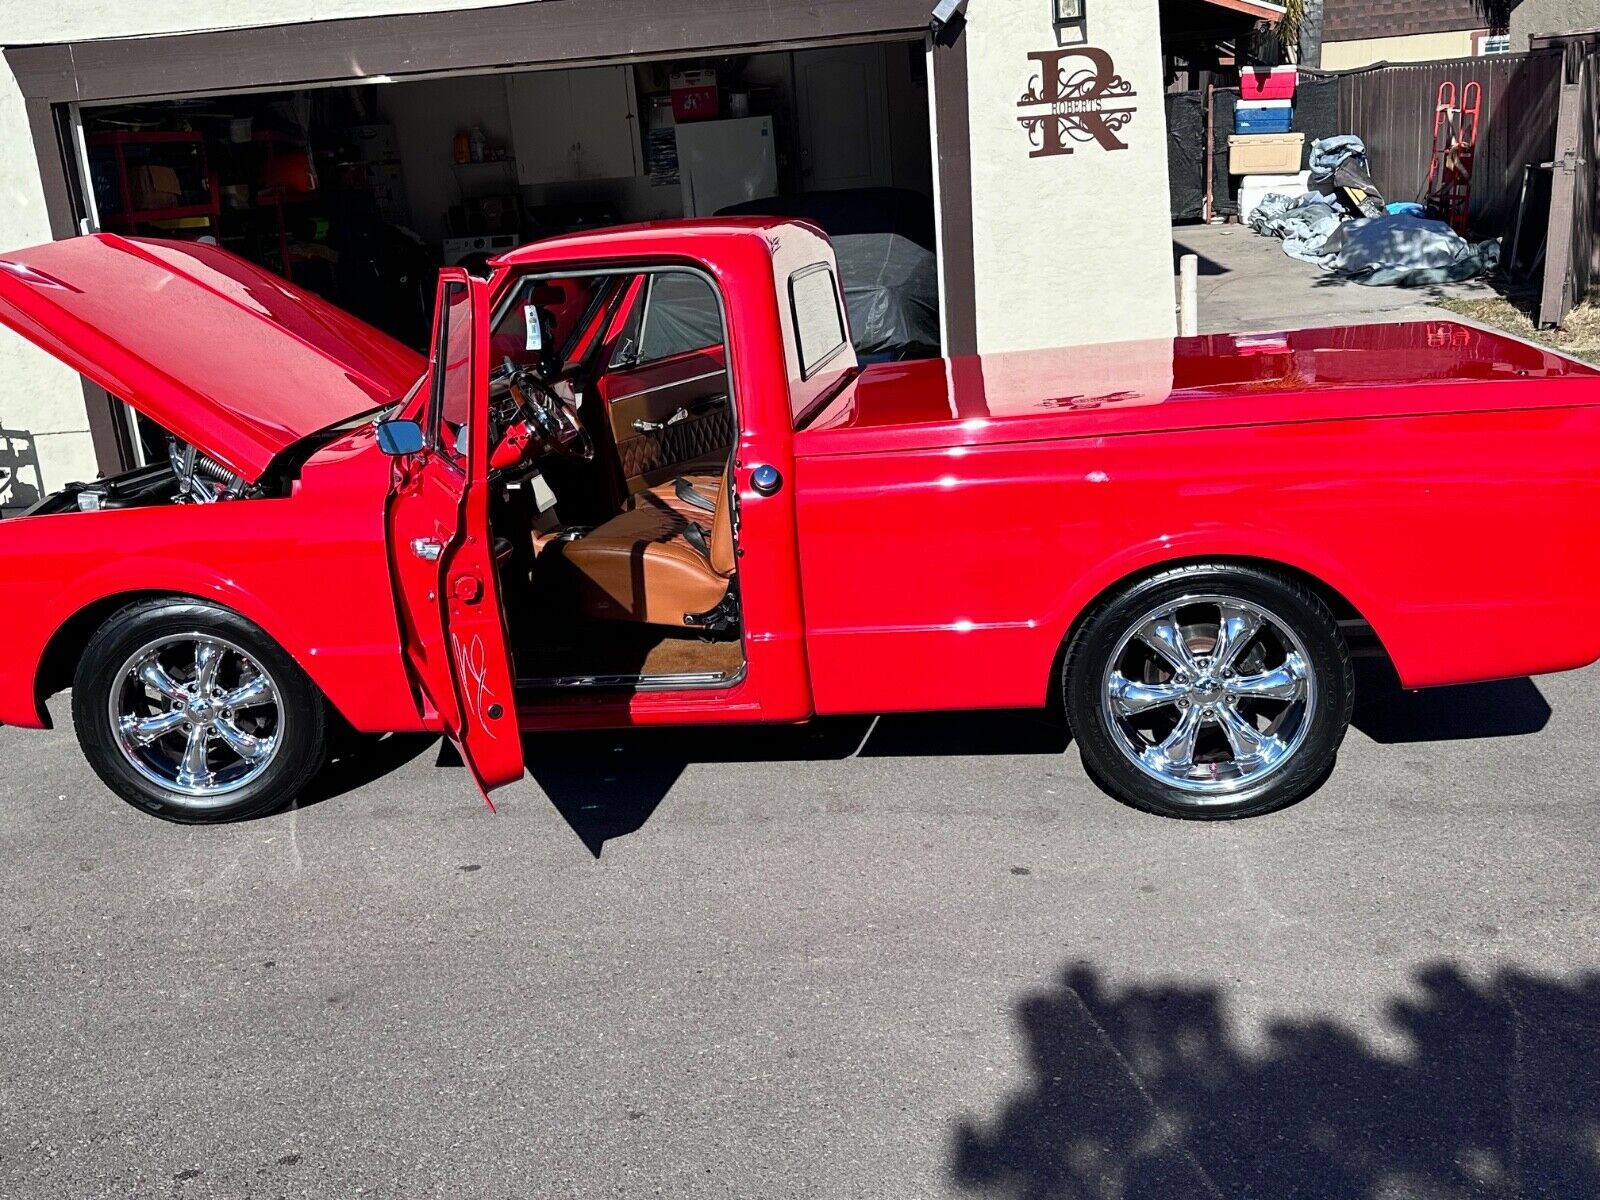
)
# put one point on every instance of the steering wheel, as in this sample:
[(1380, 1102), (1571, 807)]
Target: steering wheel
[(542, 415)]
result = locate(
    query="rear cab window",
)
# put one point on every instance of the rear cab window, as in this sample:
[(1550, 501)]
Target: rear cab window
[(819, 331), (814, 322)]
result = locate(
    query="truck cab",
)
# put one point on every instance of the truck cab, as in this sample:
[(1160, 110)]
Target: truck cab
[(593, 521)]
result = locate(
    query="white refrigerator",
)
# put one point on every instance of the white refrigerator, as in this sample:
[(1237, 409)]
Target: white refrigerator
[(726, 162)]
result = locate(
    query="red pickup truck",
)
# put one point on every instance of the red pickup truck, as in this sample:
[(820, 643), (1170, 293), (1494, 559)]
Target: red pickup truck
[(642, 480)]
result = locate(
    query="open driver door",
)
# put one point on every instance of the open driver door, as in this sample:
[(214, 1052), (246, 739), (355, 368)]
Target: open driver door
[(441, 547)]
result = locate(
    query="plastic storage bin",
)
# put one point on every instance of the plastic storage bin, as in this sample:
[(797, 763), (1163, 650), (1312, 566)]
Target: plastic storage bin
[(1253, 189), (1265, 153), (1263, 83)]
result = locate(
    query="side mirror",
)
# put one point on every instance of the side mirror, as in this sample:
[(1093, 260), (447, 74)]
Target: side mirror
[(399, 438)]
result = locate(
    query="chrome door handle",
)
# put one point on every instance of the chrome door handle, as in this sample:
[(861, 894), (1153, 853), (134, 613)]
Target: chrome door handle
[(643, 426), (427, 549)]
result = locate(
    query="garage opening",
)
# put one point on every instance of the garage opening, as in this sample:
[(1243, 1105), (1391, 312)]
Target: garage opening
[(360, 193)]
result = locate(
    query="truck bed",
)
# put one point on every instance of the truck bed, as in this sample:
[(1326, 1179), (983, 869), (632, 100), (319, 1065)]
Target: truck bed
[(1440, 482), (1210, 382)]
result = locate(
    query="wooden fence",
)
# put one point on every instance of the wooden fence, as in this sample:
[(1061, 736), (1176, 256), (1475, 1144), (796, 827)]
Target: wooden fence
[(1391, 109), (1572, 258)]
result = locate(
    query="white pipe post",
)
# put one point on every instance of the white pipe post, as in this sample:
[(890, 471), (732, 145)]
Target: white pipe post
[(1188, 296)]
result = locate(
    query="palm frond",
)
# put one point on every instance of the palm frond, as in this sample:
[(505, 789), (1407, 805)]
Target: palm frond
[(1289, 25)]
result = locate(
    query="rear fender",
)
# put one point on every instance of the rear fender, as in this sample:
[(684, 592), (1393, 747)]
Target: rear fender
[(1159, 554)]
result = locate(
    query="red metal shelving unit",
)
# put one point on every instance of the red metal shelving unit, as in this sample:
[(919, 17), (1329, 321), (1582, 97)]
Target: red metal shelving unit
[(127, 215), (275, 198)]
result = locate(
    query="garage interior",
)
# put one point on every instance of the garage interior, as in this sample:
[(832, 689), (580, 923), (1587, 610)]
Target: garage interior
[(359, 193)]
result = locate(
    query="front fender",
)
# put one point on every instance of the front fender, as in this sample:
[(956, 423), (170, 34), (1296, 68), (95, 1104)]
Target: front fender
[(311, 570)]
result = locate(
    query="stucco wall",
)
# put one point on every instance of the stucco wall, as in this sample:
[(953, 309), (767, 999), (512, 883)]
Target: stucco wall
[(66, 20), (1071, 248), (1362, 52), (44, 436), (1552, 16)]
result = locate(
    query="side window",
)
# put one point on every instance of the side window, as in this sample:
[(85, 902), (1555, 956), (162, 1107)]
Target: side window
[(681, 315), (818, 323), (451, 402)]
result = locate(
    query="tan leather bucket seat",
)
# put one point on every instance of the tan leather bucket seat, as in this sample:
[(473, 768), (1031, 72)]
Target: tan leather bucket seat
[(653, 563), (692, 496)]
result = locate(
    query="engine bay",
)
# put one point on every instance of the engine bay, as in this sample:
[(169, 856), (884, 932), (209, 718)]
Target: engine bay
[(187, 477)]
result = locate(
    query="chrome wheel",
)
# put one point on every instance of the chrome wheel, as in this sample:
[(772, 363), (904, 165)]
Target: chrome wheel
[(1209, 694), (197, 716)]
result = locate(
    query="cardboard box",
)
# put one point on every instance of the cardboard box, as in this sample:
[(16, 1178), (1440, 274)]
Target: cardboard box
[(153, 187), (1265, 153), (695, 96)]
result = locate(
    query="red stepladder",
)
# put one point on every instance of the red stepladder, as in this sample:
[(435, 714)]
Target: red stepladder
[(1456, 117)]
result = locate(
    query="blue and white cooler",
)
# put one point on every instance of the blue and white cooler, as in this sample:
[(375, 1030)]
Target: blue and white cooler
[(1263, 116)]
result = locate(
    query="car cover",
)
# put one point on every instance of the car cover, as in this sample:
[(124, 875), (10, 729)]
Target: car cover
[(884, 241)]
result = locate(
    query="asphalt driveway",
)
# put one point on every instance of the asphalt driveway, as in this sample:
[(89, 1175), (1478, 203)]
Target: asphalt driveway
[(1247, 283), (925, 958)]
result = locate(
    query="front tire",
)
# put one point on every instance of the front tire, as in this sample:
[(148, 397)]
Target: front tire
[(1209, 692), (192, 714)]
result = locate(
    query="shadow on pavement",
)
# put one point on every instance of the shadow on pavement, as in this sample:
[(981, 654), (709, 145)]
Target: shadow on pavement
[(607, 785), (1207, 265), (361, 759), (1389, 714), (1145, 1093)]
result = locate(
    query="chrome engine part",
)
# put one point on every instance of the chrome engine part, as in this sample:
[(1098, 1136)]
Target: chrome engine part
[(203, 480)]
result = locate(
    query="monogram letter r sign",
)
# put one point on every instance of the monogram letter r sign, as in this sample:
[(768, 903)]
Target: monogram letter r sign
[(1075, 95)]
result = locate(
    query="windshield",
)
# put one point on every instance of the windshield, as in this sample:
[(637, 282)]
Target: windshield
[(564, 306)]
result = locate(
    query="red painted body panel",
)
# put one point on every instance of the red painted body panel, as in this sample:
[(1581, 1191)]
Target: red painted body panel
[(455, 634), (311, 569), (223, 353), (1193, 383), (945, 558)]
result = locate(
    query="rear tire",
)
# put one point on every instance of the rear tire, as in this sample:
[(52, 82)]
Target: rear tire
[(1209, 692), (192, 714)]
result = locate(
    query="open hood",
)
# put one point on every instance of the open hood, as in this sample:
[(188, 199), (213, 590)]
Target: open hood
[(224, 354)]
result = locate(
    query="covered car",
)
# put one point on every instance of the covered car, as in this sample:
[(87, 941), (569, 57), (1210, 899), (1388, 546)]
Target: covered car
[(888, 264)]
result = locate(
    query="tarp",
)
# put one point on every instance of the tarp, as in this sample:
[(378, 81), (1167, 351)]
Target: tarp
[(891, 289), (1396, 250), (1305, 223), (1408, 252), (1186, 154)]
